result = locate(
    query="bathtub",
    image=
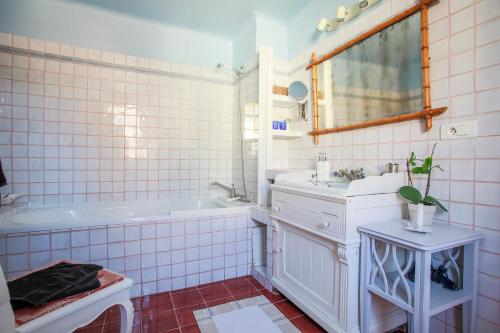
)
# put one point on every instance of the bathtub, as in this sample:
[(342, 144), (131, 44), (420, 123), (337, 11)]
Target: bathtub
[(95, 214), (161, 245)]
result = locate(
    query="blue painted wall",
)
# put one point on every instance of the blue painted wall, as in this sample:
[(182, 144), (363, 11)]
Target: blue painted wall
[(272, 32), (301, 28), (85, 26), (244, 42)]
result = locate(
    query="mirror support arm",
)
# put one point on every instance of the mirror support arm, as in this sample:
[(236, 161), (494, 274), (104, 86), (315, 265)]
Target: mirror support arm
[(315, 97), (426, 84)]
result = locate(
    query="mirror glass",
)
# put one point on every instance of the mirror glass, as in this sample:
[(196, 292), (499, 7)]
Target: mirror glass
[(379, 77), (297, 90)]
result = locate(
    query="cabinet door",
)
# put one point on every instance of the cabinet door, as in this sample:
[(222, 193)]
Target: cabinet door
[(308, 265)]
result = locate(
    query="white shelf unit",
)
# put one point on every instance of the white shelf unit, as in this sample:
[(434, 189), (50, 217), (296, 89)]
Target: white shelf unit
[(282, 101), (288, 134)]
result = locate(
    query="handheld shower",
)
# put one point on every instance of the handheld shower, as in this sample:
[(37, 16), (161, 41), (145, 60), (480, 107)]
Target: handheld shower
[(221, 66)]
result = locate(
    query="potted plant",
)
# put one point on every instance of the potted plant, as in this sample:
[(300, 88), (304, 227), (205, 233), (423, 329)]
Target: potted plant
[(422, 208)]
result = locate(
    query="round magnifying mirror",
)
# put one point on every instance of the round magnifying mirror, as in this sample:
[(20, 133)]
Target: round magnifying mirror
[(297, 90)]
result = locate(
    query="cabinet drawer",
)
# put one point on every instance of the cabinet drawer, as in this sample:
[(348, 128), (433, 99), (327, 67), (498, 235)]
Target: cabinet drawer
[(315, 214)]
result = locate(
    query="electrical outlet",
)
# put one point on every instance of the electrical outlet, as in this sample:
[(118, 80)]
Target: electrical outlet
[(459, 130)]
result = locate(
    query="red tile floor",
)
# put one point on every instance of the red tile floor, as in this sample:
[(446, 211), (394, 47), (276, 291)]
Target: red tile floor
[(172, 312)]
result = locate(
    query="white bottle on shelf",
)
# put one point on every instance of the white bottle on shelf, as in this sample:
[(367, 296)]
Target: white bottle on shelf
[(322, 167)]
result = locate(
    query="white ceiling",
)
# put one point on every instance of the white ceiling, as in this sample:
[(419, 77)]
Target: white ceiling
[(221, 17)]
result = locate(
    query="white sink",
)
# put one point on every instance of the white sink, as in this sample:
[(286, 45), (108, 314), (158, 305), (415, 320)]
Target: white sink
[(387, 183)]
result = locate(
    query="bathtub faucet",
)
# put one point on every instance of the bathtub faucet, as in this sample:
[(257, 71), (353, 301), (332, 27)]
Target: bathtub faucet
[(231, 190)]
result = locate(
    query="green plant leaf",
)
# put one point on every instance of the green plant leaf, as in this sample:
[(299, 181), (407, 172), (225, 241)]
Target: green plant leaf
[(411, 194), (412, 158), (420, 170), (433, 201)]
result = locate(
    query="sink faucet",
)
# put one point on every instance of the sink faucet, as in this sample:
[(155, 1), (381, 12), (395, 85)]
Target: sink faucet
[(231, 190), (351, 175)]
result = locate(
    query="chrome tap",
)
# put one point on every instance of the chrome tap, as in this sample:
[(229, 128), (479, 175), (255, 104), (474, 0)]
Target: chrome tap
[(351, 175), (231, 190), (233, 196)]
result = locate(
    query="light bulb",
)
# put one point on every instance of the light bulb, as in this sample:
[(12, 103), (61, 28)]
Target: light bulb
[(323, 22), (362, 3), (341, 12)]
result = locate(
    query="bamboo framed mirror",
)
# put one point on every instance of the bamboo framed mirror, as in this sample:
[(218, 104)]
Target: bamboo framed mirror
[(377, 78)]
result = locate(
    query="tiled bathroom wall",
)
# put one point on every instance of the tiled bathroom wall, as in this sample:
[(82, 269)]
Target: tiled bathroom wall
[(158, 256), (465, 76), (84, 125)]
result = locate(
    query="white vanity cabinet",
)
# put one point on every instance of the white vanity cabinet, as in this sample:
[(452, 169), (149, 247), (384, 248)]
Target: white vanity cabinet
[(316, 253)]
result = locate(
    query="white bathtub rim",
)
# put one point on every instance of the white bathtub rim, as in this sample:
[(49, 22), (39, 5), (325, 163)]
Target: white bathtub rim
[(8, 227)]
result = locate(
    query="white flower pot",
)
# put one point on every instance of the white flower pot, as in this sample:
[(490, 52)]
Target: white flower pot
[(421, 215)]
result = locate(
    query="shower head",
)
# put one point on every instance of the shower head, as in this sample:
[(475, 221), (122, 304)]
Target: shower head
[(221, 66)]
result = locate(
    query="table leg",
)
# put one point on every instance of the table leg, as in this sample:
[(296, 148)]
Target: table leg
[(410, 320), (425, 292), (471, 253), (365, 295), (126, 316), (466, 316)]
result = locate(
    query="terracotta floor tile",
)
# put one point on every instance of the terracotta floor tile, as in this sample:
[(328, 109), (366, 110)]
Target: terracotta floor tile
[(137, 318), (217, 283), (159, 322), (111, 327), (90, 329), (246, 293), (149, 314), (149, 326), (191, 329), (113, 314), (183, 290), (255, 283), (137, 303), (220, 301), (237, 283), (307, 325), (166, 320), (173, 312), (185, 315), (159, 302), (288, 309), (214, 292), (273, 297), (100, 320), (187, 298)]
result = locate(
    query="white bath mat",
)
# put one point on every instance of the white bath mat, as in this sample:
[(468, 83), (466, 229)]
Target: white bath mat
[(255, 314), (246, 320)]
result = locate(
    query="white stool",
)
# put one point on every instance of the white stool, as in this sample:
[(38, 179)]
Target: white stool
[(72, 312)]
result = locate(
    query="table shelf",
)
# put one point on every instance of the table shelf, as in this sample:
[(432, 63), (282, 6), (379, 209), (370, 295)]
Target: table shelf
[(440, 298)]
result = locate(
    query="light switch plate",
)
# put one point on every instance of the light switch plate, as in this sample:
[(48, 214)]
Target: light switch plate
[(459, 130)]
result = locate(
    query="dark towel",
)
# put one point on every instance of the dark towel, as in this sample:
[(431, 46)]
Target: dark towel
[(3, 179), (58, 281)]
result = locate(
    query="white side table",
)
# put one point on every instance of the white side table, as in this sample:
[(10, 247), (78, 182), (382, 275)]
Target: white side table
[(388, 252)]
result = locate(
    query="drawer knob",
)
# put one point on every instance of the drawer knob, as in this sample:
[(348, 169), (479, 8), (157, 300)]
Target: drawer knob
[(277, 209), (326, 225)]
